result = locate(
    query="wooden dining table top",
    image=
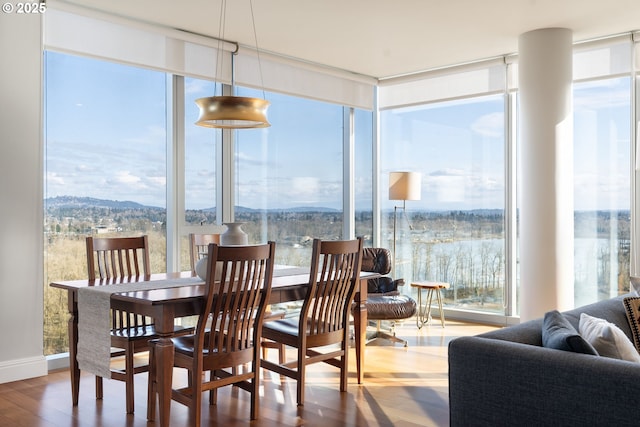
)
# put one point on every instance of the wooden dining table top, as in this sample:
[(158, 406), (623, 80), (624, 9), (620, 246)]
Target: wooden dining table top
[(284, 278)]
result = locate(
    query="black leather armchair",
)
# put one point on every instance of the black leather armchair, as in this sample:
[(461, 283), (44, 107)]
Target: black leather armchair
[(378, 260), (385, 302)]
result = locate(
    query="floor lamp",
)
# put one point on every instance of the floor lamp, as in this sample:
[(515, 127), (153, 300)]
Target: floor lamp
[(402, 186)]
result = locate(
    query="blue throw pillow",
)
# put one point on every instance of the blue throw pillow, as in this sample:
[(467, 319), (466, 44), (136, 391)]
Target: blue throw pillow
[(559, 334)]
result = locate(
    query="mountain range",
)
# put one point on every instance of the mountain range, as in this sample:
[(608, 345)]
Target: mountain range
[(90, 202)]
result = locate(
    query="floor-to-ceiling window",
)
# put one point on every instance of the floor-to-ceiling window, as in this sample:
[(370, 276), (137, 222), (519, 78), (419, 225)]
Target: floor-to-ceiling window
[(602, 168), (123, 155), (602, 188), (121, 142), (455, 232), (105, 168)]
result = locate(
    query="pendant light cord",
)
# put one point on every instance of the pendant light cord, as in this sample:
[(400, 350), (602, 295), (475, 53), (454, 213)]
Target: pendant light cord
[(220, 55), (255, 38)]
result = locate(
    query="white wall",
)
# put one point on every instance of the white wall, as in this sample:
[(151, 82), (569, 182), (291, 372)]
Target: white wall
[(21, 217)]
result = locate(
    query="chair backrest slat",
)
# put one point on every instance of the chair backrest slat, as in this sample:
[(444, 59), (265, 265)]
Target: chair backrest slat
[(335, 272), (116, 259), (238, 288), (199, 247)]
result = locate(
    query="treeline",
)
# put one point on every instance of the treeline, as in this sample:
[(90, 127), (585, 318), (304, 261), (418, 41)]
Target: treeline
[(82, 215)]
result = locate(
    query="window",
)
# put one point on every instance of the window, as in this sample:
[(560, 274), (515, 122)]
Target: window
[(364, 175), (200, 190), (290, 176), (602, 188), (200, 157), (455, 233), (105, 168)]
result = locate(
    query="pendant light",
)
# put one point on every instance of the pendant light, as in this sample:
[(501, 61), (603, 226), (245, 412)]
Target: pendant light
[(233, 112)]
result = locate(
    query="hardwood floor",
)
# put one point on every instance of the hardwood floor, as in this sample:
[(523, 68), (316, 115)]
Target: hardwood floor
[(403, 387)]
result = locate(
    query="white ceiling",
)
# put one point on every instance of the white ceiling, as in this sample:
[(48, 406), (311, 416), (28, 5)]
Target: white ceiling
[(383, 38)]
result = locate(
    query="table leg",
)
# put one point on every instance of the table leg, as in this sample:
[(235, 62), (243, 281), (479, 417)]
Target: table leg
[(74, 369), (440, 307), (360, 328), (430, 300), (164, 377), (420, 315)]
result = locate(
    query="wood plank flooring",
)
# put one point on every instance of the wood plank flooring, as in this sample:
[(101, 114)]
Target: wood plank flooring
[(403, 387)]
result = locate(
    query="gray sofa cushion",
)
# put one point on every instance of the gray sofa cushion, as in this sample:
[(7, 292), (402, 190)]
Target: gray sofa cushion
[(559, 334), (531, 332)]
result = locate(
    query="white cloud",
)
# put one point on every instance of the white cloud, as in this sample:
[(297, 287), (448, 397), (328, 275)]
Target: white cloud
[(491, 125), (54, 179), (195, 86), (126, 177), (448, 172)]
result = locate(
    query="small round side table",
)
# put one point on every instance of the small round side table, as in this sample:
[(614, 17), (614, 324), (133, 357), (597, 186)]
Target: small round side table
[(424, 311)]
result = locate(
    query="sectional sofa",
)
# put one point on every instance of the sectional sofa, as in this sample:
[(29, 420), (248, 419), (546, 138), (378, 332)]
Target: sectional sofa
[(507, 378)]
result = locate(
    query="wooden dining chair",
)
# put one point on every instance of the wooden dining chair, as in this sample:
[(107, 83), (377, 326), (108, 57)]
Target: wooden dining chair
[(199, 246), (229, 325), (324, 318), (116, 260)]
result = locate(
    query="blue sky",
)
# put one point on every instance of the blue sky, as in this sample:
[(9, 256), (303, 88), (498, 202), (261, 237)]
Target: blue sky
[(102, 139), (458, 147), (105, 135)]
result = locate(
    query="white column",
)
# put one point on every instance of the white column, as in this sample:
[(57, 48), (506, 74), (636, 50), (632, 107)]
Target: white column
[(546, 210)]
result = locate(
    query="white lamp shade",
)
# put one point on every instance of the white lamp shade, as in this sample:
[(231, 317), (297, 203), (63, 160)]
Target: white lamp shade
[(404, 185)]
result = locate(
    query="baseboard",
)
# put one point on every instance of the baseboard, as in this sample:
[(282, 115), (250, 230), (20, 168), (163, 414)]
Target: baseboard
[(475, 317), (58, 361), (21, 369)]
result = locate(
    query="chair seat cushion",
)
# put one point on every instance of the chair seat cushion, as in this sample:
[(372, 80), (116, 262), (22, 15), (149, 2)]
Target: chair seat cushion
[(185, 344), (287, 326), (390, 307)]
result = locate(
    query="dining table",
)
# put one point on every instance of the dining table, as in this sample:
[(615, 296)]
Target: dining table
[(185, 298)]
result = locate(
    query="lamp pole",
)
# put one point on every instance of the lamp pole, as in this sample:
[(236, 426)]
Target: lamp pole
[(395, 223)]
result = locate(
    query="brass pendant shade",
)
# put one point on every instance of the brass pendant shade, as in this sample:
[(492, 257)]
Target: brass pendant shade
[(233, 112)]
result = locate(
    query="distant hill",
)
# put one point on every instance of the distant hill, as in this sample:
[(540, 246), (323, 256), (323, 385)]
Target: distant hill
[(90, 202), (301, 209), (307, 209)]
